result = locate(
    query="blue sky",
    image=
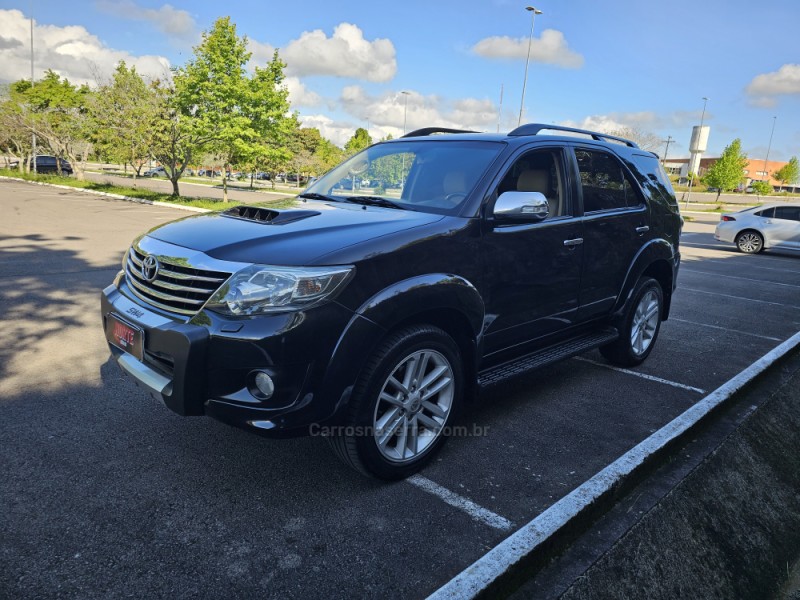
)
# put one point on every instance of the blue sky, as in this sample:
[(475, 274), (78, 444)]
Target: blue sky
[(596, 64)]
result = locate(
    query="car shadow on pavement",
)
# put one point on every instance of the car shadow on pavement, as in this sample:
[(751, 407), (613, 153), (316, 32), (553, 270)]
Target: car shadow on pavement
[(43, 294)]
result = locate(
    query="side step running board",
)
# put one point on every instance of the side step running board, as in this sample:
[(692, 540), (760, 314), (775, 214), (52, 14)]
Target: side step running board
[(545, 357)]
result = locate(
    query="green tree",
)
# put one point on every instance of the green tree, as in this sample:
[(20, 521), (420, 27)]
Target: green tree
[(233, 111), (727, 172), (124, 112), (788, 173), (57, 112), (358, 142), (762, 188)]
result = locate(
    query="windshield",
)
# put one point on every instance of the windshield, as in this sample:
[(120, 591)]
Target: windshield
[(430, 176)]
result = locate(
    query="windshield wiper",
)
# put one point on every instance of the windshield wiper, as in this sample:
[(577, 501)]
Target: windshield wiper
[(375, 201), (315, 196)]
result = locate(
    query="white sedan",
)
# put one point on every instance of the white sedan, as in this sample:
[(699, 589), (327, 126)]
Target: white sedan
[(766, 226)]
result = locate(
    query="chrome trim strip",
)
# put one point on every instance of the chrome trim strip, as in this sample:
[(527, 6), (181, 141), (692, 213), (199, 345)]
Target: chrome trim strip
[(183, 288), (165, 307), (176, 274), (162, 296), (180, 256), (154, 382), (138, 314)]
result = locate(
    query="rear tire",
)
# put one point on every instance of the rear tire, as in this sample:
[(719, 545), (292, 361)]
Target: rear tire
[(750, 242), (408, 394), (640, 326)]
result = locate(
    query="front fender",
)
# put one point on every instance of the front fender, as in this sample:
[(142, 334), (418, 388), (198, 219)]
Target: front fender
[(382, 312), (434, 291)]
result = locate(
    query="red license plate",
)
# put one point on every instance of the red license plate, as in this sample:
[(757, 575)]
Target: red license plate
[(125, 336)]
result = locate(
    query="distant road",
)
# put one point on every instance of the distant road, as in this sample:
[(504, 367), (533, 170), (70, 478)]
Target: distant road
[(191, 190)]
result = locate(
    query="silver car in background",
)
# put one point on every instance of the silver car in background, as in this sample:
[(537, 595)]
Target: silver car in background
[(767, 226)]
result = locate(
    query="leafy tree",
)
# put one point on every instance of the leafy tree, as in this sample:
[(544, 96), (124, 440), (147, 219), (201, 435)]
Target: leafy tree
[(788, 173), (726, 173), (358, 142), (58, 115), (233, 111), (124, 112), (762, 188), (15, 129)]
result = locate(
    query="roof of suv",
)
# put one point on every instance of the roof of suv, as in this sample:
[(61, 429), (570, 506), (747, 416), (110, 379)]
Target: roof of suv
[(570, 134)]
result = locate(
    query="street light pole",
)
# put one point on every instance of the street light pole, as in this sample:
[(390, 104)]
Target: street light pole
[(769, 147), (691, 181), (33, 133), (405, 111), (664, 160), (534, 11)]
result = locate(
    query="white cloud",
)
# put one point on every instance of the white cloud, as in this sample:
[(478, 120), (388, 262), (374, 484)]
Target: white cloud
[(261, 53), (300, 95), (389, 110), (551, 48), (336, 131), (345, 54), (70, 51), (167, 18), (763, 88), (643, 120)]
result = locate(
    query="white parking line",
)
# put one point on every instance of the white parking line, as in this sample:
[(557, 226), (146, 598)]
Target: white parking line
[(737, 263), (688, 289), (737, 331), (642, 375), (478, 513), (500, 560), (792, 285)]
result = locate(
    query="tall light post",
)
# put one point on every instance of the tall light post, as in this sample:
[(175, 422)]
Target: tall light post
[(769, 147), (691, 181), (534, 11), (405, 111), (33, 133)]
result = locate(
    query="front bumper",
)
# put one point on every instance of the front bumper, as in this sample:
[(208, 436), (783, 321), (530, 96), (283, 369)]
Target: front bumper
[(207, 365)]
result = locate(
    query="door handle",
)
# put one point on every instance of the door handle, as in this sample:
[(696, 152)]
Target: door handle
[(642, 229), (573, 242)]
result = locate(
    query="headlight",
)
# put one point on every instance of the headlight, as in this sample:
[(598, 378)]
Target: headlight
[(260, 289)]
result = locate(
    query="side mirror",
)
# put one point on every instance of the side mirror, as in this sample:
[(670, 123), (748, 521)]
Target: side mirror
[(521, 206)]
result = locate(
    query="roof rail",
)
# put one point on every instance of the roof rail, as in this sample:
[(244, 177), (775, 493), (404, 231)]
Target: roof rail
[(433, 130), (535, 128)]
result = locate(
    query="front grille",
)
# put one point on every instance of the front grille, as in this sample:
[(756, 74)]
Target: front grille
[(177, 288)]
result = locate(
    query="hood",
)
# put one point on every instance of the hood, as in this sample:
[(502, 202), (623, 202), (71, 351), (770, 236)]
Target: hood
[(294, 237)]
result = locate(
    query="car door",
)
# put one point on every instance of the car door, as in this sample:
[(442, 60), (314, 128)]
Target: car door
[(531, 270), (783, 229), (615, 227)]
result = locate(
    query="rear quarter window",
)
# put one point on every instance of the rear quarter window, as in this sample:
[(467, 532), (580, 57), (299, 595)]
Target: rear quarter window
[(651, 175)]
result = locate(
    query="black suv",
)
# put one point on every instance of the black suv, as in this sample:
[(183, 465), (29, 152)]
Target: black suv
[(399, 285), (51, 164)]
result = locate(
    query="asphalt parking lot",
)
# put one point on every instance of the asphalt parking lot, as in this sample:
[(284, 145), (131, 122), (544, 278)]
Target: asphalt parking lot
[(106, 493)]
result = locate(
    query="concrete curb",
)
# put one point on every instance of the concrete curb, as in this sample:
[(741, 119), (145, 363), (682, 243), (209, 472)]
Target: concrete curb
[(535, 540), (109, 195)]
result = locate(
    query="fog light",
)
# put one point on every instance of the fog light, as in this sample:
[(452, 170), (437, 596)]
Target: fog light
[(265, 385)]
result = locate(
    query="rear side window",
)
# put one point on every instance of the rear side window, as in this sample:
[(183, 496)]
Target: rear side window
[(604, 182), (653, 178), (767, 213), (789, 213)]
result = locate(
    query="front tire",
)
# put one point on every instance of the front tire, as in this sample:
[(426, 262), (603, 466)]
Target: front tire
[(640, 326), (750, 242), (408, 394)]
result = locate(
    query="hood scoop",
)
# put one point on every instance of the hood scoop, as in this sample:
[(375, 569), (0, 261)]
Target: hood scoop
[(268, 216)]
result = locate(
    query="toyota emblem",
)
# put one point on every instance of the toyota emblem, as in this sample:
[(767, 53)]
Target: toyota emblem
[(150, 267)]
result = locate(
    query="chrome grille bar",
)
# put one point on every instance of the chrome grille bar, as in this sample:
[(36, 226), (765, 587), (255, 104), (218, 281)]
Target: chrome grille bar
[(178, 287)]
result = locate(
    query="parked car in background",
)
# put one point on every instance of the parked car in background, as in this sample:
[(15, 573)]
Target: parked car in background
[(46, 164), (761, 227), (156, 172)]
